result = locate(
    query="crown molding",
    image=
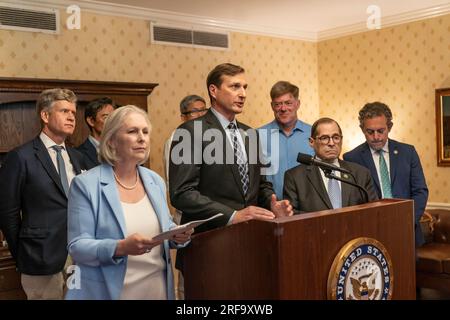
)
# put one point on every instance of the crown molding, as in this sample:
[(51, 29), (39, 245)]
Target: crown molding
[(167, 17), (385, 22)]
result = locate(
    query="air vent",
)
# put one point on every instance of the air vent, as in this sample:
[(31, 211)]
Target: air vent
[(188, 37), (14, 17)]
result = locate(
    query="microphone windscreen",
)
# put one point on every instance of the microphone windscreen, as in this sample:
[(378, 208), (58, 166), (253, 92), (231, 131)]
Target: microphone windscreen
[(304, 158)]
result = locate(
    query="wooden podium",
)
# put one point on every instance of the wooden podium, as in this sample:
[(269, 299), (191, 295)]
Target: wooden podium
[(291, 258)]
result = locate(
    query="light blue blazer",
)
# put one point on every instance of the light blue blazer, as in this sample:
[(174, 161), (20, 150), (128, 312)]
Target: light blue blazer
[(95, 224)]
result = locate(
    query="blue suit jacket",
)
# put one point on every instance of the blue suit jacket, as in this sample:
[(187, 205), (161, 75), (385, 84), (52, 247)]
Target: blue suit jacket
[(90, 153), (407, 179), (95, 224), (33, 208)]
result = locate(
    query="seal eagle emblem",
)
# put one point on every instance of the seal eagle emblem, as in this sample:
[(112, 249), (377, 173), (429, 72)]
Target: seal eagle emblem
[(362, 270)]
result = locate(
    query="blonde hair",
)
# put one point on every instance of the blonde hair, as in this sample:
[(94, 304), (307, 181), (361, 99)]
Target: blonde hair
[(113, 124)]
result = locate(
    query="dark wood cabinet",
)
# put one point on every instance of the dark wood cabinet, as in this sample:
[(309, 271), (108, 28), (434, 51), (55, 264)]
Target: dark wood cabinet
[(19, 123)]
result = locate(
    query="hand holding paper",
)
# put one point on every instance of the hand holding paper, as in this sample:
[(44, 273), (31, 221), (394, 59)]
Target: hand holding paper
[(179, 230)]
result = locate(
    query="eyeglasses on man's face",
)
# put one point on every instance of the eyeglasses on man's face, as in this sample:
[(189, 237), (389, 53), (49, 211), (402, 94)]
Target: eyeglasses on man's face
[(326, 139), (193, 111), (287, 103)]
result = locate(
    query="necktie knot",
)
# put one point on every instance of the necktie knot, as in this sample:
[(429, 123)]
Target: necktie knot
[(232, 126), (57, 148)]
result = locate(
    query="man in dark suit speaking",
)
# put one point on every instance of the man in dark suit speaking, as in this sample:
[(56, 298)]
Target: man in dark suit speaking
[(309, 189), (217, 171), (34, 183), (395, 166)]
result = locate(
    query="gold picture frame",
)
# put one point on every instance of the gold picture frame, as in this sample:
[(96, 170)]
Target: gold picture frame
[(443, 126)]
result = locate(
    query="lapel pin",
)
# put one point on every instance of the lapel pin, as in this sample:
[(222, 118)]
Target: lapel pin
[(395, 151), (345, 176)]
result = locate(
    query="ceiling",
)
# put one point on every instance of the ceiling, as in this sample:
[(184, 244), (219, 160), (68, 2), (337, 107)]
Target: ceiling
[(310, 20), (295, 15)]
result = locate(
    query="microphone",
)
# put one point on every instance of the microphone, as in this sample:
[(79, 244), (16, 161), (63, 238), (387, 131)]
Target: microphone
[(304, 158)]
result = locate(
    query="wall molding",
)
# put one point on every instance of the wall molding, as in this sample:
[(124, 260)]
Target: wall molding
[(386, 22), (438, 205), (168, 17)]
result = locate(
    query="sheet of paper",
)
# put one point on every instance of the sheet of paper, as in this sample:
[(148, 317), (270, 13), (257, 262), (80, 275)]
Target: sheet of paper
[(183, 228)]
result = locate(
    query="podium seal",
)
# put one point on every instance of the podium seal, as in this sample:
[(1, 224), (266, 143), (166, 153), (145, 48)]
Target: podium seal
[(362, 270)]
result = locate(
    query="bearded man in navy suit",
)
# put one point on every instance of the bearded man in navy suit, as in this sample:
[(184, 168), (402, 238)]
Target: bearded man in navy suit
[(34, 183), (404, 176)]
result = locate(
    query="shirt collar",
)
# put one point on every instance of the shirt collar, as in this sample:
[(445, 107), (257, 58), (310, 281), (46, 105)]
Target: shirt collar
[(385, 148), (48, 142), (224, 122), (94, 141)]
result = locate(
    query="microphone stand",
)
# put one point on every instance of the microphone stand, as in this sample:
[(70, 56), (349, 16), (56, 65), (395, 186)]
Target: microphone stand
[(329, 175)]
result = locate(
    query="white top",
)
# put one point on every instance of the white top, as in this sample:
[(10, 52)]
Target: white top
[(49, 143), (145, 278)]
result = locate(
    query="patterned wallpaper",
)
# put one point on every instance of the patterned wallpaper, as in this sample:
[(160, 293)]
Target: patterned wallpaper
[(118, 49), (400, 66)]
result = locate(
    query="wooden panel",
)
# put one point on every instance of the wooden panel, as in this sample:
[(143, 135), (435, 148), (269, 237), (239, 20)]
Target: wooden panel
[(290, 258), (20, 123)]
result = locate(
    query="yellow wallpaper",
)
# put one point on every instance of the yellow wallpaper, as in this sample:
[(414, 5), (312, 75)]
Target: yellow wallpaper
[(401, 66), (118, 49)]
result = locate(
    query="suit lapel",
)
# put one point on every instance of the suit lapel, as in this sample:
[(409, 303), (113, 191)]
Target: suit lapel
[(154, 194), (345, 187), (315, 178), (44, 157), (111, 195), (213, 122), (74, 161), (366, 155), (91, 152), (393, 160)]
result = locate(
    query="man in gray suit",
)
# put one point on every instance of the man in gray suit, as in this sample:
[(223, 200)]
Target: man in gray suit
[(307, 187)]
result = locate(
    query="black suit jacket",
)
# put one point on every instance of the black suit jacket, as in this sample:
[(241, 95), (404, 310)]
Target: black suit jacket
[(33, 208), (202, 190), (90, 153), (304, 188)]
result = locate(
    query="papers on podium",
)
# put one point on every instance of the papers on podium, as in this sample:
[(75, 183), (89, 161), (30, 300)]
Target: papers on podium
[(167, 235)]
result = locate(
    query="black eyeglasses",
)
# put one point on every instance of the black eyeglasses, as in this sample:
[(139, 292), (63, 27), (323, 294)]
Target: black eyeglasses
[(326, 139), (193, 111)]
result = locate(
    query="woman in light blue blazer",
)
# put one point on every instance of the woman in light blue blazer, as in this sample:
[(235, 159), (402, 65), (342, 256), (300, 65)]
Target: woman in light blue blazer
[(114, 210)]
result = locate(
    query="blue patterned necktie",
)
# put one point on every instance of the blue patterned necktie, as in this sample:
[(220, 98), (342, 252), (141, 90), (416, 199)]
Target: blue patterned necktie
[(334, 192), (239, 157), (61, 168), (384, 174)]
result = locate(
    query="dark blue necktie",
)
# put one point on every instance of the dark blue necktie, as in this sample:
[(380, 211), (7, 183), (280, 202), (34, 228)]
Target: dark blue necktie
[(61, 168)]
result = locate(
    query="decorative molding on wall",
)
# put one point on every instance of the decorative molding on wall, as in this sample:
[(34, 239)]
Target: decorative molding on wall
[(438, 205), (168, 17), (385, 22)]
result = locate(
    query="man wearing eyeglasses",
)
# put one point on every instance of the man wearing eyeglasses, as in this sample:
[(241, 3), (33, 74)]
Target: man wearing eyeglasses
[(395, 167), (284, 137), (307, 187), (191, 107)]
